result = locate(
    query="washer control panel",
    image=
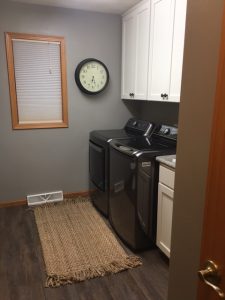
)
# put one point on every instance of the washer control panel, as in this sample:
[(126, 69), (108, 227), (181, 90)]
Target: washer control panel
[(167, 131)]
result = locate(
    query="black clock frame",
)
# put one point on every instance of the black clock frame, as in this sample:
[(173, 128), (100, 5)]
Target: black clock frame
[(77, 76)]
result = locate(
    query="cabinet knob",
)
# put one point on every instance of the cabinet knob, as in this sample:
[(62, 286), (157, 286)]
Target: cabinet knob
[(164, 96), (131, 94)]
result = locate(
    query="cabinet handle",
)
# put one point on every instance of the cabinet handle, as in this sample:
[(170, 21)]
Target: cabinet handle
[(164, 96), (131, 94)]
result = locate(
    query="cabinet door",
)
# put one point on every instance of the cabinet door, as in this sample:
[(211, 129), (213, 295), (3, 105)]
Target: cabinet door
[(164, 218), (135, 52), (128, 55), (178, 49), (141, 51), (161, 41)]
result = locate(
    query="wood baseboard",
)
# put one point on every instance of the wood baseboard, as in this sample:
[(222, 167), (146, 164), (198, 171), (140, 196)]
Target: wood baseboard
[(13, 203), (22, 202), (76, 194)]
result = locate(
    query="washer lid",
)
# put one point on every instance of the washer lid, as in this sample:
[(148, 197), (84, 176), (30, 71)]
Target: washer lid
[(141, 144), (137, 146)]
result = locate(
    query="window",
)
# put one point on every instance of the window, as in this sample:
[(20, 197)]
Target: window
[(37, 81)]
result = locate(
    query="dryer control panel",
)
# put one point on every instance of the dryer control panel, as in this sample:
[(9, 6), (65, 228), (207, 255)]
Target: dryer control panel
[(167, 131), (139, 127)]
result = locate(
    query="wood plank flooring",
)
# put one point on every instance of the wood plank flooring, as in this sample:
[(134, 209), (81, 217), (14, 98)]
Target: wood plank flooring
[(22, 275)]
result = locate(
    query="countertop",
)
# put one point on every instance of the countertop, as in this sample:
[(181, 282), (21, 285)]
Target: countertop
[(168, 160)]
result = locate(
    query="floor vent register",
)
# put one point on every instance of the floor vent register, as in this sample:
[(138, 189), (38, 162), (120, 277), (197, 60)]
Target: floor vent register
[(39, 199)]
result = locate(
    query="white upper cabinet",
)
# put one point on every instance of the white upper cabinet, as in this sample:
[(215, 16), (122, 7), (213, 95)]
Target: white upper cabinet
[(135, 45), (161, 40), (128, 55), (166, 49), (152, 56), (178, 50)]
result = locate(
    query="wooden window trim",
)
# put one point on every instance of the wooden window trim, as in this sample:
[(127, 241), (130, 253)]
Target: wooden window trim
[(9, 36)]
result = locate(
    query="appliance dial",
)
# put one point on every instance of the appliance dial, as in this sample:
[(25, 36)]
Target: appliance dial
[(166, 131)]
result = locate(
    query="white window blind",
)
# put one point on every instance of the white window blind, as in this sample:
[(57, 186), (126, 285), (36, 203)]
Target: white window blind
[(37, 67)]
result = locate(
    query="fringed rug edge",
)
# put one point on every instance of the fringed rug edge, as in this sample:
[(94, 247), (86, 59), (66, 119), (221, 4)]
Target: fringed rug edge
[(128, 262)]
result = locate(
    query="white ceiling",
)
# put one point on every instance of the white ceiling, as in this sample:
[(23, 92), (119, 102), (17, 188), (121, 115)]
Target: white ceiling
[(105, 6)]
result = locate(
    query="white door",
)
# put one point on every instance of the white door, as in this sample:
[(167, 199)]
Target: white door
[(178, 50), (161, 40), (164, 218), (128, 55), (142, 51)]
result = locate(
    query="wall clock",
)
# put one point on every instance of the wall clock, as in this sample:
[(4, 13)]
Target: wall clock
[(91, 76)]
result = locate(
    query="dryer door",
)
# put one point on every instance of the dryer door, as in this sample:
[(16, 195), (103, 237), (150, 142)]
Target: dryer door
[(97, 165)]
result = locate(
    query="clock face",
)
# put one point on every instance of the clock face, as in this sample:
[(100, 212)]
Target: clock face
[(91, 76)]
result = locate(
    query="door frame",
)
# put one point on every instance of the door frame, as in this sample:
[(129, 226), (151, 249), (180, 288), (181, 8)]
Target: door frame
[(201, 56)]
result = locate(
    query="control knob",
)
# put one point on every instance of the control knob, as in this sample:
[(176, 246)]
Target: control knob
[(166, 131)]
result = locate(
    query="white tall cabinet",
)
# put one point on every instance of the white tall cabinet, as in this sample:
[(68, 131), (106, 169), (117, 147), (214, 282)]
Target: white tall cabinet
[(135, 52), (152, 55), (165, 208)]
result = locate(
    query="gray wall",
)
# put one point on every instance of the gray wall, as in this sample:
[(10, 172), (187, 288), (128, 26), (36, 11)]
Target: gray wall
[(160, 112), (154, 111), (33, 161), (197, 97)]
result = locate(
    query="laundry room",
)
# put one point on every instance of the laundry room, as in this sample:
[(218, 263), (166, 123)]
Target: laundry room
[(106, 113)]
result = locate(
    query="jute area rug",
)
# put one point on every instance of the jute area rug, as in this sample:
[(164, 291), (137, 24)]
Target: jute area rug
[(77, 244)]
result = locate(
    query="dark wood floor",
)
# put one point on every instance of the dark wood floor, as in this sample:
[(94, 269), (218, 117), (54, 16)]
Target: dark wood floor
[(22, 273)]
